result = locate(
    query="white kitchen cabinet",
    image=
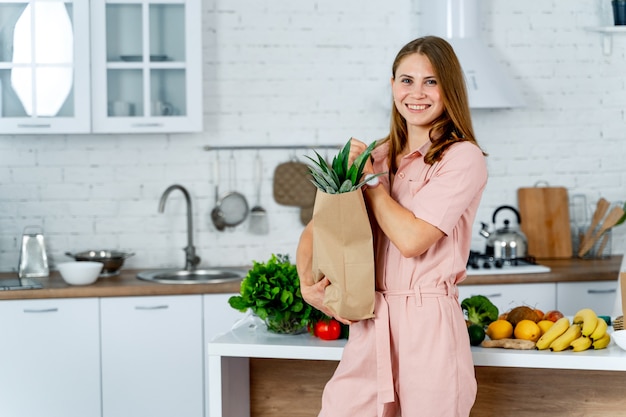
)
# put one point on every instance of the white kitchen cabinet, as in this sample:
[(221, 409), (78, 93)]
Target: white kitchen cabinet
[(146, 66), (508, 296), (597, 295), (50, 358), (219, 318), (152, 356), (44, 67)]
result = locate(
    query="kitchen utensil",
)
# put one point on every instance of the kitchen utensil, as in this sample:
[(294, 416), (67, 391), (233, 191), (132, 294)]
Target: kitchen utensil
[(603, 243), (292, 185), (611, 219), (505, 243), (80, 272), (33, 259), (602, 207), (233, 206), (111, 260), (545, 218), (258, 215), (216, 214)]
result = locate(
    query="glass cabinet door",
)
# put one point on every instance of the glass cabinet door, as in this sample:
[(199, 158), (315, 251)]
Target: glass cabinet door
[(146, 70), (44, 66)]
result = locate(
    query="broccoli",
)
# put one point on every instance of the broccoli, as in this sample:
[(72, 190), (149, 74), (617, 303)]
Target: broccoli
[(479, 310)]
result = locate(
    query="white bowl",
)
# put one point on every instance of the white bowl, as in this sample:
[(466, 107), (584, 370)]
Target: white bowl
[(80, 272), (620, 338)]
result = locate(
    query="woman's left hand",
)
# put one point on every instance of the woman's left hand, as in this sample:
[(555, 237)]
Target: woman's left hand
[(357, 148)]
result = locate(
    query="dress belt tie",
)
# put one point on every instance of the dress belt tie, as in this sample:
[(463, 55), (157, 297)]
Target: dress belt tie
[(383, 333)]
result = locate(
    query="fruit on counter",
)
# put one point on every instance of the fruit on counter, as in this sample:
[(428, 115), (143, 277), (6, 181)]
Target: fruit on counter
[(557, 329), (508, 343), (563, 341), (500, 329), (599, 331), (580, 344), (479, 310), (602, 342), (521, 313), (539, 314), (476, 334), (527, 330), (553, 315), (544, 325), (327, 329), (587, 319)]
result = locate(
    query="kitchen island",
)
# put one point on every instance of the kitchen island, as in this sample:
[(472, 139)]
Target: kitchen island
[(256, 373)]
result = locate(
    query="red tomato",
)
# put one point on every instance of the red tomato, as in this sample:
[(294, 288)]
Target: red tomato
[(327, 329)]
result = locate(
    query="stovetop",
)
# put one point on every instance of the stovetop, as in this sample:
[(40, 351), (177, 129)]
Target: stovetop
[(481, 264)]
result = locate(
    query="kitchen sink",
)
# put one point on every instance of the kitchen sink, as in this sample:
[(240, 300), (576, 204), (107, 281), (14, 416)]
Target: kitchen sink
[(195, 276)]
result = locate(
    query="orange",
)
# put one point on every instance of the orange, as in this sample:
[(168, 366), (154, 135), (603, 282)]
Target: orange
[(527, 330), (544, 325), (499, 329)]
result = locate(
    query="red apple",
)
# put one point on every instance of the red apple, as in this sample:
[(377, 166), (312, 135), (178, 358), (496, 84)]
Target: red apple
[(553, 315)]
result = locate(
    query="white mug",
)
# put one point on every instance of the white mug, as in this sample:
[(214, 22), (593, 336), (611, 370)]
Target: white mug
[(121, 108), (161, 108)]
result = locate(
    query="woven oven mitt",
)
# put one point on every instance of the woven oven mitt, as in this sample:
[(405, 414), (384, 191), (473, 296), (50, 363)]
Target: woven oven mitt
[(292, 187)]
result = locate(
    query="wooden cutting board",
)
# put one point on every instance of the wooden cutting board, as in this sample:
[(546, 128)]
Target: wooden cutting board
[(544, 212)]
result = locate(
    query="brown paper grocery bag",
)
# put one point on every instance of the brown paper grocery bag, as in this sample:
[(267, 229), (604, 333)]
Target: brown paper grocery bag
[(343, 251)]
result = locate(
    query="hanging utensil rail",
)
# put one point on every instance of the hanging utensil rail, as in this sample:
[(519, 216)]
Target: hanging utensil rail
[(267, 147)]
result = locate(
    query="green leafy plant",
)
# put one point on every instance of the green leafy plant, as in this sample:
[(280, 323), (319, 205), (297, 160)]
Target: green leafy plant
[(272, 291), (338, 177)]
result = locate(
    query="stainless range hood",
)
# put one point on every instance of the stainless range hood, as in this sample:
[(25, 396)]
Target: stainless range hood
[(488, 84)]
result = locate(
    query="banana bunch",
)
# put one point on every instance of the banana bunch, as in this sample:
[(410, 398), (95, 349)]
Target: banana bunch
[(584, 332)]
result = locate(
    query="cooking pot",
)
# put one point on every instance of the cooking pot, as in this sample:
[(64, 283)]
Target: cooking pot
[(507, 242), (112, 260)]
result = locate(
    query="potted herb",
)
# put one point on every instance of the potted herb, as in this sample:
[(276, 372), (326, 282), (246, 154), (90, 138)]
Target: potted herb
[(272, 291)]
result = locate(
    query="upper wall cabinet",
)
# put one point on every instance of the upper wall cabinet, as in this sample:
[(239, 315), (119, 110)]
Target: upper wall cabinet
[(44, 66), (146, 66)]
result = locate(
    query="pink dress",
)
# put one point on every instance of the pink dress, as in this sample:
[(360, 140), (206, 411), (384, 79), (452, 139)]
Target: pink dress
[(413, 359)]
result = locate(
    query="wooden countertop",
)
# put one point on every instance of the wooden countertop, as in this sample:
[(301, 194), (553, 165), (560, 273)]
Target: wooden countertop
[(561, 270), (127, 284)]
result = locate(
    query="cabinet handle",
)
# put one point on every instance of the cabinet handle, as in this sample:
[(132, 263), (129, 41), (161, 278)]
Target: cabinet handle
[(159, 307), (609, 291), (147, 125), (498, 294), (41, 310), (29, 125)]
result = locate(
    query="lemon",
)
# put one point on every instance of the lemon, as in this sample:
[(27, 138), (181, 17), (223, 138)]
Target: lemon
[(527, 330), (544, 325), (499, 329)]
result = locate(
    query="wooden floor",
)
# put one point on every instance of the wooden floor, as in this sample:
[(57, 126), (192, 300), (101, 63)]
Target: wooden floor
[(293, 388)]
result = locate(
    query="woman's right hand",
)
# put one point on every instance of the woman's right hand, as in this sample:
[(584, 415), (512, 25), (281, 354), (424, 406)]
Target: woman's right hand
[(314, 295)]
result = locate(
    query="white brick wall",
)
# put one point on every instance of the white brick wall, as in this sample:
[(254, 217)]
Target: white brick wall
[(317, 72)]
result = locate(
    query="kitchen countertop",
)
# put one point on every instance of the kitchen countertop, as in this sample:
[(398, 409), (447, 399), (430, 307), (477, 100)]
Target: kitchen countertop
[(124, 284), (127, 284), (256, 373), (259, 343)]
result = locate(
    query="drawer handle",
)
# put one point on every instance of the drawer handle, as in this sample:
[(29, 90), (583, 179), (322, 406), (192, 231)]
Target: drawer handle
[(497, 294), (610, 291), (159, 307), (41, 310), (34, 125)]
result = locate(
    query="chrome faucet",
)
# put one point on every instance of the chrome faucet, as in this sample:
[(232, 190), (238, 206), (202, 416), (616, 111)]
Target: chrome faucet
[(191, 259)]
